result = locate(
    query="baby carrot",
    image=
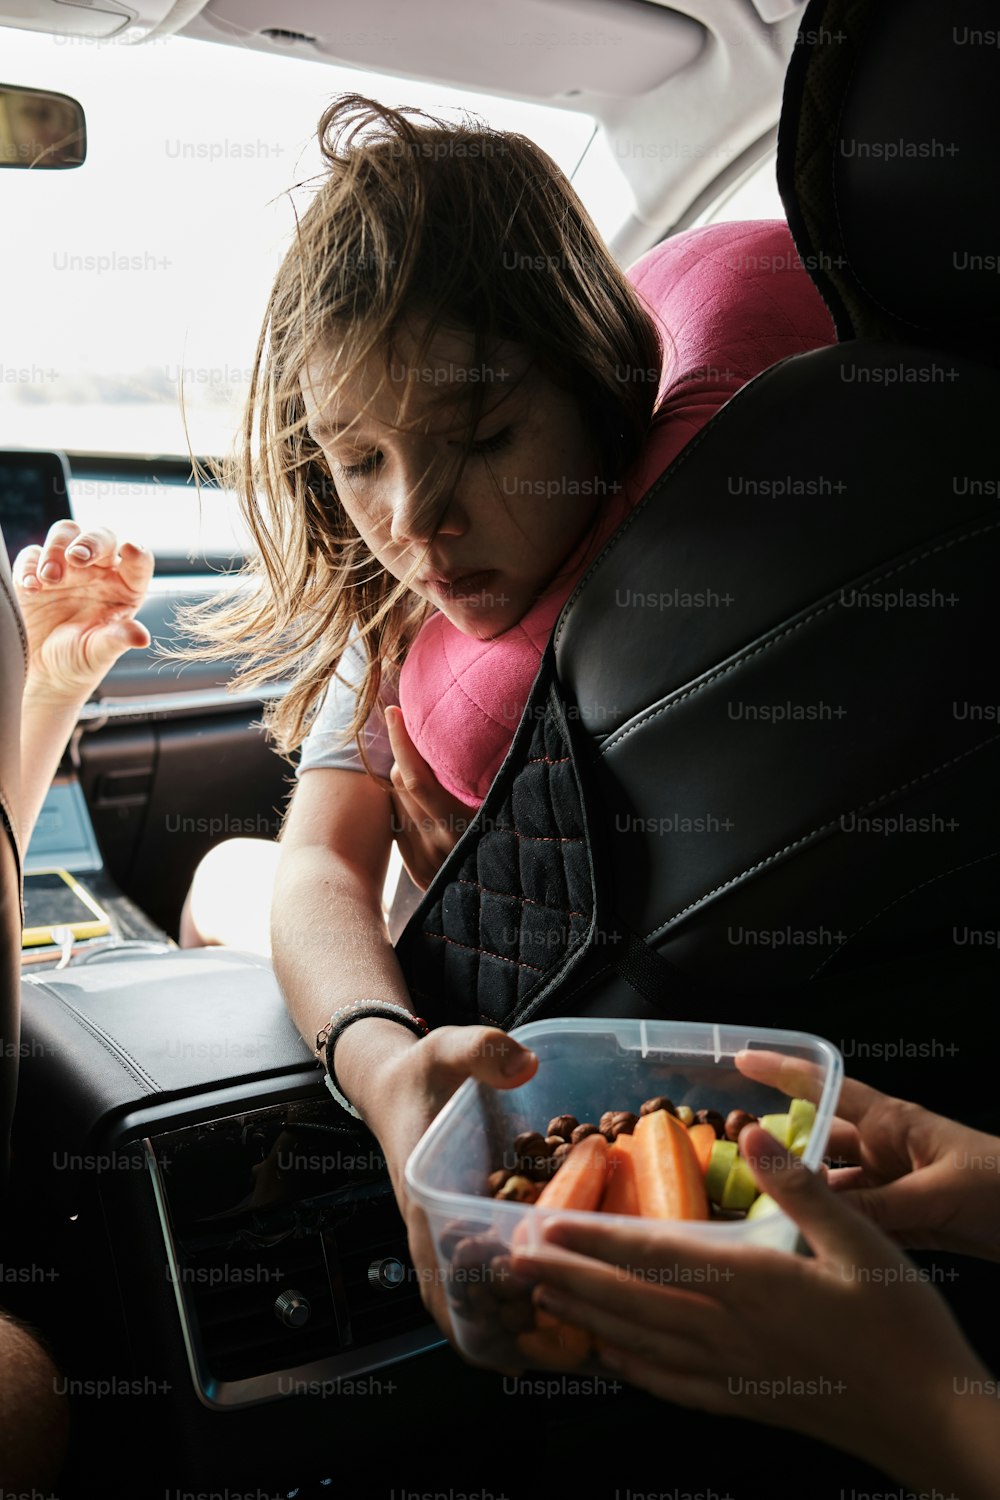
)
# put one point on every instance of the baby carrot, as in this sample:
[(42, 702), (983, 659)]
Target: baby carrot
[(702, 1138), (620, 1195), (579, 1182), (668, 1178)]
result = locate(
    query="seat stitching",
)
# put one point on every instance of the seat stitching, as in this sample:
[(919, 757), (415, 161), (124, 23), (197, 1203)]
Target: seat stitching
[(758, 650), (525, 900), (822, 828), (486, 952)]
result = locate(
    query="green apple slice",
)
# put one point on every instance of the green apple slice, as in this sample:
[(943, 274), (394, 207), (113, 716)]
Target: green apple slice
[(740, 1189), (777, 1125), (720, 1164), (801, 1119), (762, 1206)]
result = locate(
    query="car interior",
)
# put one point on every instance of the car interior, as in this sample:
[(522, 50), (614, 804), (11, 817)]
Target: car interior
[(209, 1246)]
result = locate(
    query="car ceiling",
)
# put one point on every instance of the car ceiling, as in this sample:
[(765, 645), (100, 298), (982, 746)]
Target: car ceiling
[(687, 93)]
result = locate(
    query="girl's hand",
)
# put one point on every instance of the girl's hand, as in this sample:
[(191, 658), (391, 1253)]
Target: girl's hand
[(427, 820), (411, 1090), (929, 1182), (850, 1347), (79, 598)]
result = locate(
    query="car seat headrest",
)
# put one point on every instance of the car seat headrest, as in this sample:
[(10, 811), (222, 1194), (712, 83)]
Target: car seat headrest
[(887, 153)]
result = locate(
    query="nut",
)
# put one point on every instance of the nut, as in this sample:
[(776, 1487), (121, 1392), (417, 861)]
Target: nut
[(735, 1121), (605, 1120), (660, 1102), (623, 1122), (453, 1232), (713, 1118), (685, 1114), (475, 1252), (496, 1180), (556, 1140), (529, 1143), (518, 1189), (581, 1132), (560, 1154), (563, 1125)]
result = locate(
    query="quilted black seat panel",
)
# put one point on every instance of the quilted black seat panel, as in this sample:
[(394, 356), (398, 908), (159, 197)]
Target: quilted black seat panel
[(515, 902)]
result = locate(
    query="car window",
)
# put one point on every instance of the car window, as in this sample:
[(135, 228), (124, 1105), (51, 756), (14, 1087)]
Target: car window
[(146, 270)]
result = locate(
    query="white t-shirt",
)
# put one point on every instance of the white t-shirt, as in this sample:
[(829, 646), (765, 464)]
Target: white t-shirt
[(327, 743)]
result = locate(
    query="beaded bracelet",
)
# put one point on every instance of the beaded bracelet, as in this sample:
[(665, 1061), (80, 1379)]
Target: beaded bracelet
[(356, 1010)]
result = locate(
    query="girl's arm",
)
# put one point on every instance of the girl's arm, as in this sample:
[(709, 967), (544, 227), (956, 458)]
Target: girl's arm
[(330, 945)]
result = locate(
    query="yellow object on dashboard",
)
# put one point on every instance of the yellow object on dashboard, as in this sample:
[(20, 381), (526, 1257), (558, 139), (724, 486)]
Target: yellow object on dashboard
[(53, 898)]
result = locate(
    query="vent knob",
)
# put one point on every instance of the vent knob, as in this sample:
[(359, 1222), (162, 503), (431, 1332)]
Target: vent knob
[(293, 1309), (388, 1272)]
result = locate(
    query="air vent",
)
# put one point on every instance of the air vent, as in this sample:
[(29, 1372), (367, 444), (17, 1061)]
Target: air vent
[(286, 1248)]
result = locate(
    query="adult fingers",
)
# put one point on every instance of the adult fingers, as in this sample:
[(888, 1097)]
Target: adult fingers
[(792, 1075), (830, 1228), (653, 1254), (620, 1294)]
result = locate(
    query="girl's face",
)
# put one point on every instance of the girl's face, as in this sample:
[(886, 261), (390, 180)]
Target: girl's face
[(488, 539)]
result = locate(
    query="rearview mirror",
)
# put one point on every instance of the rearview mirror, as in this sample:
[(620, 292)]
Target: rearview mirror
[(39, 128)]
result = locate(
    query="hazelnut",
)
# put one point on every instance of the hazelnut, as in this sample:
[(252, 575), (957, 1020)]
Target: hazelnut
[(475, 1251), (713, 1118), (556, 1140), (735, 1121), (685, 1114), (660, 1102), (529, 1143), (518, 1189), (452, 1233), (563, 1125), (496, 1180), (623, 1122), (581, 1132)]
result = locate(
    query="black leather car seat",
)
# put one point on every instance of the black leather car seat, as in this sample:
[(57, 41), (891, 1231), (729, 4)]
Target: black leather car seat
[(783, 781)]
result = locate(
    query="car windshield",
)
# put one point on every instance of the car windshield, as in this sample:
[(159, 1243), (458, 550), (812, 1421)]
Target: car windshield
[(144, 273)]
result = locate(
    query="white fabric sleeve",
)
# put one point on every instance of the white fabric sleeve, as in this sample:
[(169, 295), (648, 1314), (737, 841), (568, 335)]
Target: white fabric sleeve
[(327, 743)]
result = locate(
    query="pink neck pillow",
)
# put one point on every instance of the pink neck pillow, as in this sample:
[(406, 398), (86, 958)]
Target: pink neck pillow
[(730, 300)]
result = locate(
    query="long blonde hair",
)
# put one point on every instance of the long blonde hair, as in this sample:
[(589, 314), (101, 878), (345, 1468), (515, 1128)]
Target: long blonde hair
[(477, 229)]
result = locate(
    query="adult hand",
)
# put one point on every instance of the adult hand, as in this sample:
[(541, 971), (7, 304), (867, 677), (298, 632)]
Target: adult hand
[(79, 596), (929, 1182), (428, 821), (851, 1347)]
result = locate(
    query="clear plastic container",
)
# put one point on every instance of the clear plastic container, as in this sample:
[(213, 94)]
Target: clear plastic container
[(586, 1066)]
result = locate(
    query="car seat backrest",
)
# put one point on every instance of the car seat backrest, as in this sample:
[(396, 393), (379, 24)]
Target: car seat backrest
[(762, 751), (887, 157)]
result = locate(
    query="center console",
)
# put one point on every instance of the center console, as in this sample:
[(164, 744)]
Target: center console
[(222, 1236)]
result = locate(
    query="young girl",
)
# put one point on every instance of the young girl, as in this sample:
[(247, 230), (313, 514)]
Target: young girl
[(452, 408)]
